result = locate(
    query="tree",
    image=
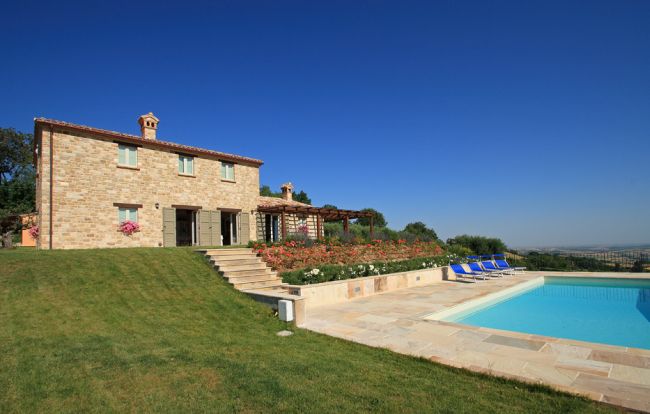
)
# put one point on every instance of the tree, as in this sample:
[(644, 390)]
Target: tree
[(17, 181), (479, 244), (330, 206), (265, 190), (378, 219), (637, 266), (421, 231), (302, 197)]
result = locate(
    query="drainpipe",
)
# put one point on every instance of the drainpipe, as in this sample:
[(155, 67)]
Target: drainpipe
[(51, 183)]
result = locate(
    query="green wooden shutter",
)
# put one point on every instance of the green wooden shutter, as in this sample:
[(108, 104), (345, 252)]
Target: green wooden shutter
[(245, 228), (121, 155), (169, 227), (205, 231), (215, 224)]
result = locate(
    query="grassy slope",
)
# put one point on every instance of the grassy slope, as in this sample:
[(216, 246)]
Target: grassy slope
[(156, 329)]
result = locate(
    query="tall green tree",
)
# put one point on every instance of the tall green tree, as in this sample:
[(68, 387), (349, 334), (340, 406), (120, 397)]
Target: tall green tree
[(265, 190), (300, 196), (378, 219), (421, 231), (479, 244), (17, 181)]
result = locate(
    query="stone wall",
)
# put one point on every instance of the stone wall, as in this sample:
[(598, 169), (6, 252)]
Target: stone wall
[(343, 290), (87, 182)]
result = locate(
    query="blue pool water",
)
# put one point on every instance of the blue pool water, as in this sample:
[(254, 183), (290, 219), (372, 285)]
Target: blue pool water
[(609, 311)]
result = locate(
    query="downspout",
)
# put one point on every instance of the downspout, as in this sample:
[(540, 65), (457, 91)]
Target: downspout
[(51, 183)]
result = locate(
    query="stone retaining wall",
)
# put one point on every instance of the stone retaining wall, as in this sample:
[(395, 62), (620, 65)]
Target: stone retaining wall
[(342, 290)]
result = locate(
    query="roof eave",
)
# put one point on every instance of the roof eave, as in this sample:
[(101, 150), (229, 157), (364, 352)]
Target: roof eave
[(137, 140)]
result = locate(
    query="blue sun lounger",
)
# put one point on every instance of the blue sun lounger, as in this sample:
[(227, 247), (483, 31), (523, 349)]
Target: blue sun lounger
[(476, 267), (503, 264), (489, 266), (460, 271)]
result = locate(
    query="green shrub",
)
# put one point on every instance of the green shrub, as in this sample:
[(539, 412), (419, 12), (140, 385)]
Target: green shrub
[(328, 273)]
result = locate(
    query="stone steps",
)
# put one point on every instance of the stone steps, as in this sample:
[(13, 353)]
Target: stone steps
[(235, 267), (257, 285), (243, 269), (228, 252), (246, 273), (252, 278), (236, 262)]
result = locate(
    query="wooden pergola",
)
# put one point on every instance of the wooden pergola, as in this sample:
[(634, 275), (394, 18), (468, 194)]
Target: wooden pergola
[(320, 213)]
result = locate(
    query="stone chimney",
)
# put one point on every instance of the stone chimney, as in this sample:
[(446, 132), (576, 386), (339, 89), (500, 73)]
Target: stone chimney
[(287, 191), (148, 125)]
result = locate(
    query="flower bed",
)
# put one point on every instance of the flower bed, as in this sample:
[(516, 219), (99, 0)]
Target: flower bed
[(294, 255), (327, 273)]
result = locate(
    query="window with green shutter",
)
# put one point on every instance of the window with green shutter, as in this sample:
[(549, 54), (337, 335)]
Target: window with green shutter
[(227, 171), (185, 165), (127, 155), (127, 214)]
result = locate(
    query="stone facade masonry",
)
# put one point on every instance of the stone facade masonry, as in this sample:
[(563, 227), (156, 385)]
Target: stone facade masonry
[(87, 181)]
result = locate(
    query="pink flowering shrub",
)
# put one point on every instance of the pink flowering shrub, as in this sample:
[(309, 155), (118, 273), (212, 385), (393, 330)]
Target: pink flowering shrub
[(34, 232), (129, 227), (292, 255), (303, 229)]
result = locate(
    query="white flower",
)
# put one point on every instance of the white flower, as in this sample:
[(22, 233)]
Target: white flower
[(315, 272), (371, 267)]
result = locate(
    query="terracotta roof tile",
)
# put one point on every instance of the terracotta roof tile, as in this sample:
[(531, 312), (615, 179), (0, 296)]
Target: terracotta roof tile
[(139, 140), (275, 201)]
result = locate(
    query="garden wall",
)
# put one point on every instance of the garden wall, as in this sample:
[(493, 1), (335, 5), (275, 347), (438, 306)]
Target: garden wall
[(343, 290)]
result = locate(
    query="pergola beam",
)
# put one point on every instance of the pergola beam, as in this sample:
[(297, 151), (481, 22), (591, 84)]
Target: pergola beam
[(324, 213)]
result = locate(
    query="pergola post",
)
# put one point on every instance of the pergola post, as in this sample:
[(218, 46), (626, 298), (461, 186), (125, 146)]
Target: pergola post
[(346, 225), (284, 226), (318, 227), (372, 227)]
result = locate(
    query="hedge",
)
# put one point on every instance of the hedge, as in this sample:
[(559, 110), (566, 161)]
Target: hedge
[(327, 273)]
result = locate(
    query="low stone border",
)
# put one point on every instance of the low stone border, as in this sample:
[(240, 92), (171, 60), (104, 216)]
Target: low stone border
[(272, 297), (337, 291)]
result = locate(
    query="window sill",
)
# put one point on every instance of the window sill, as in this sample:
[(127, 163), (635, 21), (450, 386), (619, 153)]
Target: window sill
[(186, 175), (224, 180), (128, 167)]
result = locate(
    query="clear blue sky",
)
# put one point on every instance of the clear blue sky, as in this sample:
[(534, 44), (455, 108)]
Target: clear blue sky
[(529, 121)]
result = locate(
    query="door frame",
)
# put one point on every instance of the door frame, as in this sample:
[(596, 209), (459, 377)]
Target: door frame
[(232, 213)]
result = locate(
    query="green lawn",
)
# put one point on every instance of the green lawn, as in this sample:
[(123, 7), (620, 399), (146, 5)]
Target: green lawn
[(158, 330)]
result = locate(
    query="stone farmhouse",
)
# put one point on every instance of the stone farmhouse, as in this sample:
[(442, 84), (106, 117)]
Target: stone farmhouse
[(90, 180)]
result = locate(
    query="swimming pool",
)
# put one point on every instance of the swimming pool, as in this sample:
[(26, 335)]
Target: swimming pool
[(604, 310)]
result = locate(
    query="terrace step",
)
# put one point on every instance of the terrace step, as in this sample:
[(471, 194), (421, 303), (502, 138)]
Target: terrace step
[(243, 269), (245, 273), (227, 261), (232, 257), (254, 278), (235, 266), (229, 252), (257, 285)]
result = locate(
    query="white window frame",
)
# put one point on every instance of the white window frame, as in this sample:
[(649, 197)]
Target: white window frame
[(130, 155), (183, 162), (225, 167), (130, 214)]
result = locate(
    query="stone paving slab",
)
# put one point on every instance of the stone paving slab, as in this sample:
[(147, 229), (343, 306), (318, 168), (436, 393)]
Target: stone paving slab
[(395, 320)]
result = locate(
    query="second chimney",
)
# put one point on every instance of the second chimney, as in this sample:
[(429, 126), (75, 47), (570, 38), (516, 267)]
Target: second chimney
[(148, 125), (287, 191)]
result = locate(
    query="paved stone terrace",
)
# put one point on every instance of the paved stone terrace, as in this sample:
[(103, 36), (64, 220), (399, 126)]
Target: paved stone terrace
[(395, 320)]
